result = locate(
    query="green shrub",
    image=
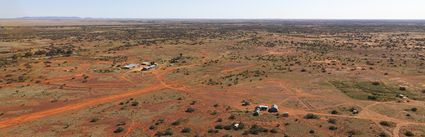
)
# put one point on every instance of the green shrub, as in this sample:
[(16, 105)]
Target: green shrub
[(241, 126), (333, 128), (273, 130), (387, 123), (212, 131), (364, 90), (228, 127), (219, 120), (383, 134), (186, 130), (176, 123), (409, 133), (190, 110), (256, 129), (134, 103), (353, 132), (218, 126), (168, 132), (227, 135), (311, 116), (332, 121), (372, 97), (152, 127), (119, 130), (232, 117), (94, 120)]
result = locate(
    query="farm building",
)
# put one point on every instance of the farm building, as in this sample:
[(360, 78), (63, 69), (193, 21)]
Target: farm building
[(149, 67), (401, 96), (355, 111), (146, 63), (130, 66), (274, 108), (262, 107), (257, 112)]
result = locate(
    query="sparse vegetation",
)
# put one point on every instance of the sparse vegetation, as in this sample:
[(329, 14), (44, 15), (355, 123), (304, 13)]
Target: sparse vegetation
[(119, 130), (190, 110), (213, 72), (333, 128), (167, 132), (364, 91), (409, 133), (311, 116), (256, 129), (177, 122), (387, 124), (186, 130), (332, 121)]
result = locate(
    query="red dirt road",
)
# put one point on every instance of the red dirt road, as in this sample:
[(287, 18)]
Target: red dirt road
[(76, 106), (89, 102)]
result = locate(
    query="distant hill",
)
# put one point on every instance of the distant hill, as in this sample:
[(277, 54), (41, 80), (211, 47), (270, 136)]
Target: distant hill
[(51, 18)]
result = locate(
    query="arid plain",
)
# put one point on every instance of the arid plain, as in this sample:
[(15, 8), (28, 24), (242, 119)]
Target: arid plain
[(208, 77)]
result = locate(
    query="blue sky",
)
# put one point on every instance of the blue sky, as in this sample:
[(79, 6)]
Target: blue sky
[(242, 9)]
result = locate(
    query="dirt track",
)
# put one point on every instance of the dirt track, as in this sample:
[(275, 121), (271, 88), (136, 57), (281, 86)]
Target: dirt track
[(89, 102), (366, 114), (76, 106)]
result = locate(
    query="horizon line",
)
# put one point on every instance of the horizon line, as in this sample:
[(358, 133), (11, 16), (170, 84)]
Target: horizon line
[(200, 18)]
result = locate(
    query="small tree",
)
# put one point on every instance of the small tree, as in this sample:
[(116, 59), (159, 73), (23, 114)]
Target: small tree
[(186, 130), (134, 103), (94, 120), (409, 133), (168, 132), (176, 123), (386, 123), (332, 121), (190, 110), (273, 130), (219, 126), (119, 130), (333, 128), (228, 127), (334, 112), (311, 116), (376, 83), (232, 117)]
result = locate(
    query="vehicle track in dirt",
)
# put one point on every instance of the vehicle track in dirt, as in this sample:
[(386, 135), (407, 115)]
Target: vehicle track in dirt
[(366, 114), (76, 106), (91, 102)]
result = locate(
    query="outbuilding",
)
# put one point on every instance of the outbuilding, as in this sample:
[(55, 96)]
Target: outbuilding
[(149, 67), (256, 112), (146, 63), (130, 66), (274, 109), (262, 107)]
